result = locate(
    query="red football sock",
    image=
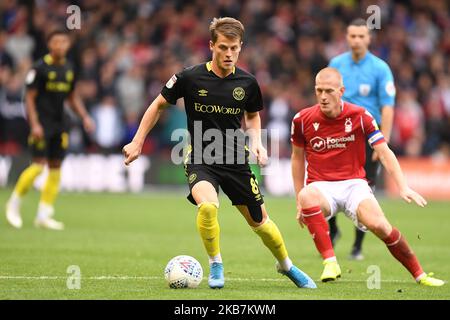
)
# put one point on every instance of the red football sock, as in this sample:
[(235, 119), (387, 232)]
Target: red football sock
[(400, 249), (318, 227)]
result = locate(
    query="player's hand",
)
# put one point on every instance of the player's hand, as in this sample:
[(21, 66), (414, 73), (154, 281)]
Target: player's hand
[(300, 219), (261, 155), (375, 156), (408, 195), (299, 216), (37, 132), (131, 152), (88, 124)]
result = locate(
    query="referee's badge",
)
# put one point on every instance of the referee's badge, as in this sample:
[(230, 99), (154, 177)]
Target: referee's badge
[(390, 88), (364, 89), (238, 93)]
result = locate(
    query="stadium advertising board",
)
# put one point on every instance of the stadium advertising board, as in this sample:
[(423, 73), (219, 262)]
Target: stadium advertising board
[(430, 177)]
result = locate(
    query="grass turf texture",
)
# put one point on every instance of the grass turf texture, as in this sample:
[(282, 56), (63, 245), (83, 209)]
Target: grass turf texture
[(122, 242)]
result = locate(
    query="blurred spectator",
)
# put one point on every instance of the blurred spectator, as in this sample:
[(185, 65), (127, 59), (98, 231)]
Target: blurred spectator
[(127, 50), (109, 131), (6, 60), (14, 128), (6, 66), (278, 121), (408, 130), (130, 91), (20, 44), (423, 35)]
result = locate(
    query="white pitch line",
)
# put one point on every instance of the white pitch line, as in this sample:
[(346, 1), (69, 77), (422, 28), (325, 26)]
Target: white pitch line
[(110, 277), (86, 278)]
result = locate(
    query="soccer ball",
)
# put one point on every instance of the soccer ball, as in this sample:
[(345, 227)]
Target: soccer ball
[(183, 272)]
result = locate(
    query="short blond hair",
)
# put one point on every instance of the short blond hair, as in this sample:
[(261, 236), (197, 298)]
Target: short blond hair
[(229, 27), (330, 72)]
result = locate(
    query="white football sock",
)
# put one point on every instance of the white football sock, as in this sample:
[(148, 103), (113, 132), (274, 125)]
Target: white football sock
[(421, 276), (331, 259), (15, 200), (216, 258), (45, 211), (286, 264)]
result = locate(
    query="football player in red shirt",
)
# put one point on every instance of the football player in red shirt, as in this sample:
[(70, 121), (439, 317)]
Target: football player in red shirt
[(329, 140)]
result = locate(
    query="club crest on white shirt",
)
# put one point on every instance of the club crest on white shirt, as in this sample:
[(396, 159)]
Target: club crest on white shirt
[(316, 126)]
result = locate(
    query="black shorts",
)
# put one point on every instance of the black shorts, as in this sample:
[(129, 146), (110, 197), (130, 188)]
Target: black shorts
[(372, 168), (52, 147), (238, 182)]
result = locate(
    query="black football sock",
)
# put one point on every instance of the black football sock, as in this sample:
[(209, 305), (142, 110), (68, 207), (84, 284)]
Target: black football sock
[(359, 237), (333, 227)]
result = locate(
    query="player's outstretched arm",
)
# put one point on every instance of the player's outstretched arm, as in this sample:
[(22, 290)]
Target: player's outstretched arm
[(253, 127), (392, 166), (132, 150), (298, 175)]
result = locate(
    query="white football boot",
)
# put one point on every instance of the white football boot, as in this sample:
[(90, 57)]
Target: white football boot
[(13, 212), (44, 218)]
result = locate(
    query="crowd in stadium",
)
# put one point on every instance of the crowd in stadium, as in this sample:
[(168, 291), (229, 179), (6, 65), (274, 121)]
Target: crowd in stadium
[(125, 51)]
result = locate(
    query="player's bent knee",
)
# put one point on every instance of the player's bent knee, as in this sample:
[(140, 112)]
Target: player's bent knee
[(380, 228), (208, 208), (309, 197), (204, 192)]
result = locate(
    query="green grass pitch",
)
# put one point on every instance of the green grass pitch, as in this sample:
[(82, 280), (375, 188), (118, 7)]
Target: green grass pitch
[(122, 242)]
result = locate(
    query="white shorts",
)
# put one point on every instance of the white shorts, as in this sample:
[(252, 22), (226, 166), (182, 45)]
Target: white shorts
[(345, 196)]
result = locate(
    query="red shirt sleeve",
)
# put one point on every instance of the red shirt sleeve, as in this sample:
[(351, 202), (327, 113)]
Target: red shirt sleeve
[(297, 137)]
